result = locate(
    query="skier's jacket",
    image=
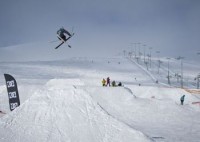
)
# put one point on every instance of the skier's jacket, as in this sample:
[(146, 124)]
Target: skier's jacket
[(108, 80), (61, 32), (103, 82), (182, 98)]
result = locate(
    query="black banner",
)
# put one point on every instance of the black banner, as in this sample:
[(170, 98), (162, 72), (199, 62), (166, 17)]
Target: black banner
[(13, 94)]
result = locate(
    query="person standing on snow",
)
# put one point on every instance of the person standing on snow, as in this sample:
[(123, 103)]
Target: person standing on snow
[(103, 82), (182, 99), (61, 32), (108, 81)]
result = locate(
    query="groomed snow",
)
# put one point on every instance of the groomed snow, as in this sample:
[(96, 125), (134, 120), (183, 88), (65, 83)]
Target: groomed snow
[(64, 101)]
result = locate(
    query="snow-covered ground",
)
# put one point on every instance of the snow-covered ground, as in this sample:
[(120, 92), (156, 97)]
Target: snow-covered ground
[(64, 101)]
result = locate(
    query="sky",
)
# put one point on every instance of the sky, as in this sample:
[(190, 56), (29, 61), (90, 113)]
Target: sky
[(105, 27)]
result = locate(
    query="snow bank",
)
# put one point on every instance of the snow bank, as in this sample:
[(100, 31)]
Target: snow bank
[(63, 83), (161, 119), (64, 101), (66, 114), (162, 93)]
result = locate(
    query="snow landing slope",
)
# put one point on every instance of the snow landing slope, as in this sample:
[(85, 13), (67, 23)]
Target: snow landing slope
[(155, 113), (64, 101), (64, 113)]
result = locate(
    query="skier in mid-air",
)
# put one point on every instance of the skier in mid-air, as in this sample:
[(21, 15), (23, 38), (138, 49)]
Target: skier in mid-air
[(61, 33), (61, 36)]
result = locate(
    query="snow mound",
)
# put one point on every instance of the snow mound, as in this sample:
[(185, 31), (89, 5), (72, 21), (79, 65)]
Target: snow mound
[(163, 93), (147, 114), (67, 114), (63, 83)]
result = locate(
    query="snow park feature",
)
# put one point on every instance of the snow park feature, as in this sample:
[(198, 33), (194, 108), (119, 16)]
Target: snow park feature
[(65, 101)]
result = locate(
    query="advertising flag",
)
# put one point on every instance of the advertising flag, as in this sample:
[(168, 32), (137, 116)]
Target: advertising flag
[(13, 94)]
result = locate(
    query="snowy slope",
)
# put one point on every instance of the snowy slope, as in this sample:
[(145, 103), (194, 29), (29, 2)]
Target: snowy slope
[(190, 70), (158, 117), (64, 101), (66, 114)]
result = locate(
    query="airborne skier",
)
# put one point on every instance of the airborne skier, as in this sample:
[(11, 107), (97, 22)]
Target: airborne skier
[(61, 36)]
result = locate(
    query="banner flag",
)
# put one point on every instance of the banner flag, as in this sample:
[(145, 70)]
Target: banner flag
[(13, 94)]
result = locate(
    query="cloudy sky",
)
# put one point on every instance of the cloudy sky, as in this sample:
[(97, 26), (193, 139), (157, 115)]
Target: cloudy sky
[(105, 26)]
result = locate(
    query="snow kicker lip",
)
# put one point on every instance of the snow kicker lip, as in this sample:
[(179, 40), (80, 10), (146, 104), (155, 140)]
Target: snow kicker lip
[(63, 83)]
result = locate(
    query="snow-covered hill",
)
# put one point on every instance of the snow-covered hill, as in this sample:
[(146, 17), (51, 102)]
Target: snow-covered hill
[(65, 101)]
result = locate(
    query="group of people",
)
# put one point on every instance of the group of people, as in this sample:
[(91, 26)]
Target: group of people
[(113, 83), (108, 83)]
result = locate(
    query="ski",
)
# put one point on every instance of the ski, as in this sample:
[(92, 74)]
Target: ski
[(63, 41), (59, 45)]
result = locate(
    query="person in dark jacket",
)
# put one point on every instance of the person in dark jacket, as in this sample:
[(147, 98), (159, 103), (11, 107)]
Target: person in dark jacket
[(119, 84), (108, 81), (113, 83), (182, 99), (61, 33)]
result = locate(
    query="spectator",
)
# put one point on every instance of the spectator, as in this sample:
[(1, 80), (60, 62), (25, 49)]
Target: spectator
[(182, 99), (113, 83), (119, 84), (103, 82), (108, 81)]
